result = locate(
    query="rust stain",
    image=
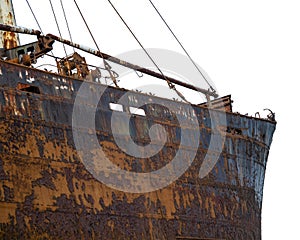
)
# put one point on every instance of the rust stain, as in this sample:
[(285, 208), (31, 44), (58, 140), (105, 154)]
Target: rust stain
[(10, 39), (46, 192)]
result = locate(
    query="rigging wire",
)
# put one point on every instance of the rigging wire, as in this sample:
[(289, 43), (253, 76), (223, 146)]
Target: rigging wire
[(188, 55), (171, 86), (106, 65), (62, 6), (57, 26), (37, 22)]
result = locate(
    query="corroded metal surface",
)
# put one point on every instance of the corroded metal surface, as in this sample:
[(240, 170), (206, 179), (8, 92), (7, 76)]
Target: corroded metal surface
[(29, 53), (47, 193), (11, 27), (8, 39), (12, 30), (132, 66), (69, 63)]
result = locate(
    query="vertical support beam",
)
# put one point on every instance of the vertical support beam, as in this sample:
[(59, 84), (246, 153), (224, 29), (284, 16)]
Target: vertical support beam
[(8, 39)]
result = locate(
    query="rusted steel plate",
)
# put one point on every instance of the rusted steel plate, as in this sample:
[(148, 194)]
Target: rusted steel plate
[(46, 191)]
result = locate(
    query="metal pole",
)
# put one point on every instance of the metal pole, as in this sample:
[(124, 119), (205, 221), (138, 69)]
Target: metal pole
[(8, 39), (132, 66), (109, 58), (17, 29)]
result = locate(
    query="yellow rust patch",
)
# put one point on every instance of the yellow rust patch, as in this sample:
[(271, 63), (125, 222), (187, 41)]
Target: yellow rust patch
[(30, 147), (7, 210), (22, 177), (50, 149)]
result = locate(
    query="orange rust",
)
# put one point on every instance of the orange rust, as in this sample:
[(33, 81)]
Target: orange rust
[(10, 39), (46, 189)]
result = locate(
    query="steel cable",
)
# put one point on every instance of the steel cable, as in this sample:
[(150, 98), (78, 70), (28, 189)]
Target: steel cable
[(65, 16), (188, 55), (171, 85), (106, 65), (57, 26)]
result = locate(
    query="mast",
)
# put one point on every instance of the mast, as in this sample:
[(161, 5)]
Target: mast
[(8, 39)]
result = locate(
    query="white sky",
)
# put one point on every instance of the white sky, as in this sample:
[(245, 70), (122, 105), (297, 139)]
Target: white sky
[(250, 49)]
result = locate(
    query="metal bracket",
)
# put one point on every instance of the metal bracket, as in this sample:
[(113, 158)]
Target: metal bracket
[(28, 53)]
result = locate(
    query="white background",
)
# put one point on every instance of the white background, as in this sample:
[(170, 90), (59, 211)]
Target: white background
[(250, 49)]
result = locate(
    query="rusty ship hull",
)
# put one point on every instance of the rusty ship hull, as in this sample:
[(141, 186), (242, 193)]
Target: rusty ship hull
[(47, 193)]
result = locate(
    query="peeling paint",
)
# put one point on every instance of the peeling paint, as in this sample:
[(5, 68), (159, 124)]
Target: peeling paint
[(46, 192)]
